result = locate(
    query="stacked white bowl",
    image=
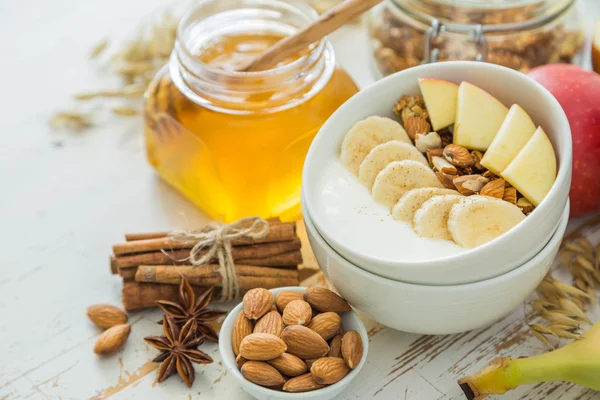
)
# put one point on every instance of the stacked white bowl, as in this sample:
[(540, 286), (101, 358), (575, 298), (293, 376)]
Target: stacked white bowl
[(445, 293)]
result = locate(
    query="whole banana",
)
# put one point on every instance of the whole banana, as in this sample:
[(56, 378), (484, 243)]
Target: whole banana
[(578, 362)]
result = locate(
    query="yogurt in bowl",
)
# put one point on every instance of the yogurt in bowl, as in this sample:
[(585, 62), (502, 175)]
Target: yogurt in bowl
[(357, 222)]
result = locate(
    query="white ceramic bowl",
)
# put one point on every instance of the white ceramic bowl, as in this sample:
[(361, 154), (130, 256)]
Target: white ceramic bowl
[(350, 321), (434, 310), (492, 259)]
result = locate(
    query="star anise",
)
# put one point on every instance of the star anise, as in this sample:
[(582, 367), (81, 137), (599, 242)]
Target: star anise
[(190, 308), (179, 349)]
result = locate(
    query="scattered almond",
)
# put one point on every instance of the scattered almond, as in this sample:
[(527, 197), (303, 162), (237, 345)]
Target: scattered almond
[(112, 340), (303, 342), (329, 370), (261, 347), (490, 175), (510, 195), (352, 348), (289, 364), (327, 324), (477, 156), (440, 164), (257, 302), (241, 329), (335, 346), (446, 179), (469, 184), (525, 205), (324, 300), (434, 153), (239, 360), (494, 188), (262, 373), (302, 383), (106, 316), (271, 323), (428, 141), (414, 125), (297, 312), (309, 363), (283, 298), (458, 156)]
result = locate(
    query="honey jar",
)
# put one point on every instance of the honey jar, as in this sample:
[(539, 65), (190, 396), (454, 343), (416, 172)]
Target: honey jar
[(234, 142)]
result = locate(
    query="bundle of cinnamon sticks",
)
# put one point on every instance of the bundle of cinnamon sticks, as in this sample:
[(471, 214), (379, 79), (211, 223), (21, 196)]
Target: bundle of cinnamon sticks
[(151, 264)]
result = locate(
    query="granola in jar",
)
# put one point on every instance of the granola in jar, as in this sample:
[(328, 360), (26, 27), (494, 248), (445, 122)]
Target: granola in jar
[(519, 34)]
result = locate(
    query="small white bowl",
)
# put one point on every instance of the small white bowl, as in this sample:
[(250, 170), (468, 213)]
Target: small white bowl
[(350, 321), (354, 236), (434, 310)]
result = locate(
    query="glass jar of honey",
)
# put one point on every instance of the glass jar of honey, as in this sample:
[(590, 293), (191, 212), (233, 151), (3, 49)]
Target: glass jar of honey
[(235, 142)]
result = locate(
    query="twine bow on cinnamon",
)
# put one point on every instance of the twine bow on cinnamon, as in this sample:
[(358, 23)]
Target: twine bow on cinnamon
[(217, 238)]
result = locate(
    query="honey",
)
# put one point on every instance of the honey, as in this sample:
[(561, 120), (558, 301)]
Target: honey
[(234, 143)]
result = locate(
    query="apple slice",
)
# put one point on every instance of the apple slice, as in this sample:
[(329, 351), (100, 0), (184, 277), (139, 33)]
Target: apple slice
[(440, 98), (514, 133), (479, 116), (533, 170)]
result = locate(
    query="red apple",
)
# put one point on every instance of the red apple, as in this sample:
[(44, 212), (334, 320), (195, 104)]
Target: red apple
[(578, 92)]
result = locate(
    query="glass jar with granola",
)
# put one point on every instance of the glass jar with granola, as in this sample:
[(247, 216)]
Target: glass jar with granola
[(519, 34)]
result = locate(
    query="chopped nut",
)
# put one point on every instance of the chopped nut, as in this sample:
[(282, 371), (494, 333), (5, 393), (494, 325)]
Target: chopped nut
[(525, 205), (434, 153), (446, 179), (469, 184), (428, 141), (440, 163), (510, 195), (477, 156), (494, 188), (458, 156), (450, 171), (490, 175), (411, 106), (415, 125)]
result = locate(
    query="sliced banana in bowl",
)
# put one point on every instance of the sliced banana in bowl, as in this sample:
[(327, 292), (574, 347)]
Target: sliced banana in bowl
[(381, 155), (398, 177), (367, 134), (411, 201), (431, 219), (476, 220)]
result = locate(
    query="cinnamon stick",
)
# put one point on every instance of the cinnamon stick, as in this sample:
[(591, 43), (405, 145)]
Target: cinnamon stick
[(290, 259), (138, 295), (208, 275), (278, 232), (248, 252)]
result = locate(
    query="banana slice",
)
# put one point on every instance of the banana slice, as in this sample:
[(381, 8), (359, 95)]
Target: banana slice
[(409, 203), (383, 154), (367, 134), (476, 220), (398, 177), (431, 219)]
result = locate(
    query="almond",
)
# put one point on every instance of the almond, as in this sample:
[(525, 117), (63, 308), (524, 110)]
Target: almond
[(477, 156), (302, 383), (469, 184), (494, 188), (446, 179), (241, 329), (352, 348), (106, 316), (239, 360), (328, 370), (289, 364), (303, 342), (262, 346), (257, 302), (261, 373), (414, 125), (324, 300), (112, 340), (297, 312), (271, 323), (283, 299), (309, 363), (441, 164), (335, 346), (428, 141), (327, 325), (525, 205), (510, 195), (434, 153), (458, 156)]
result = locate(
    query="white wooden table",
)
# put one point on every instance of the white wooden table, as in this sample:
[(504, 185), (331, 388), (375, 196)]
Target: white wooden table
[(66, 198)]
